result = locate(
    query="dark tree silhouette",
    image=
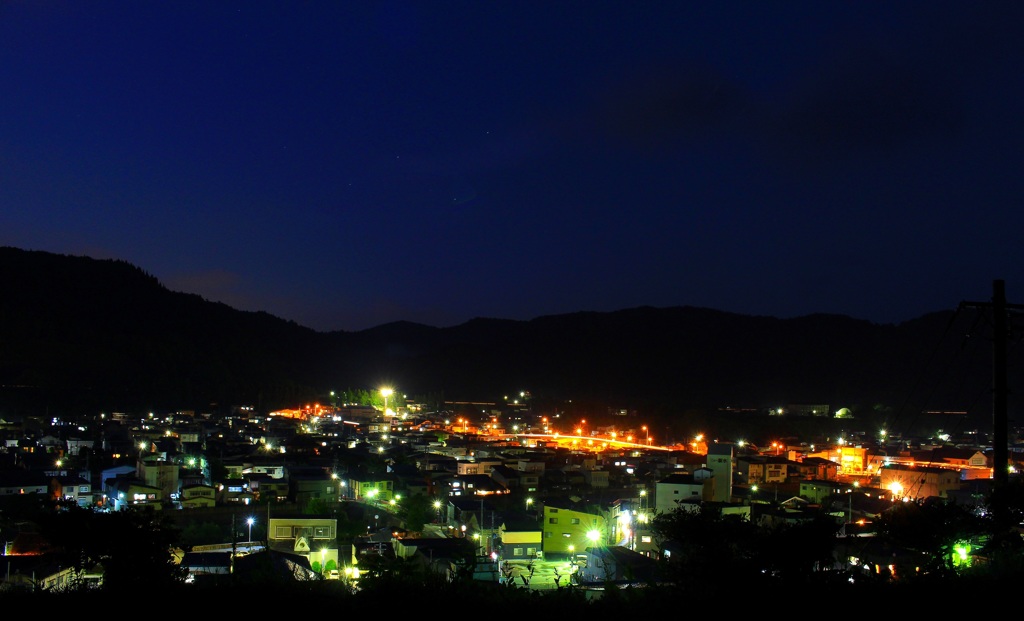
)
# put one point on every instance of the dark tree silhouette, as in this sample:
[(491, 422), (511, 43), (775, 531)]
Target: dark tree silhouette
[(133, 547), (933, 527), (706, 543)]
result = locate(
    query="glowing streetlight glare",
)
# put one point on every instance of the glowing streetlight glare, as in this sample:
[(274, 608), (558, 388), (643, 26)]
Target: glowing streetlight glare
[(249, 522)]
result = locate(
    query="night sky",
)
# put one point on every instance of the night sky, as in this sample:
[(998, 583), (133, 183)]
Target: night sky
[(348, 164)]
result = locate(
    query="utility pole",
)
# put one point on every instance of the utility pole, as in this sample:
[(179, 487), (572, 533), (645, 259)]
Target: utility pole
[(1000, 336), (234, 544)]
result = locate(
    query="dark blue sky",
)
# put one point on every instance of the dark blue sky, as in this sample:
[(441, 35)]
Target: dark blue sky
[(348, 164)]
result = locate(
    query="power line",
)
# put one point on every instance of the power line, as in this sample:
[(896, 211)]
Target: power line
[(1000, 337)]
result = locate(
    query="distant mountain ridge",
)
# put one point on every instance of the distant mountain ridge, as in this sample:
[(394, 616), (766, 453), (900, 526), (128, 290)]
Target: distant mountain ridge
[(81, 333)]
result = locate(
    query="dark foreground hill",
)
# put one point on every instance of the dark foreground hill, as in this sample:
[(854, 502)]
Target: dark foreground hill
[(440, 601), (83, 334)]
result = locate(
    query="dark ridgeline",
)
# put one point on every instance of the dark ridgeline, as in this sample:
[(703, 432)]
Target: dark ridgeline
[(86, 335)]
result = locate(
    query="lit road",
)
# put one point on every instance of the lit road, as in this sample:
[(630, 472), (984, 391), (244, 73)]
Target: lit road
[(590, 443)]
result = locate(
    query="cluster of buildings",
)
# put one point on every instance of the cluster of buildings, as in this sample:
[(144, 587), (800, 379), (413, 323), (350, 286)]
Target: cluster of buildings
[(500, 492)]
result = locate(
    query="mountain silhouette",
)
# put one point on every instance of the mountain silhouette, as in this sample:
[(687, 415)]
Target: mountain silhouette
[(84, 335)]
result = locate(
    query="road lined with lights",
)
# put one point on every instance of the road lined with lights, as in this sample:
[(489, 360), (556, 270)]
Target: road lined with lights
[(591, 442)]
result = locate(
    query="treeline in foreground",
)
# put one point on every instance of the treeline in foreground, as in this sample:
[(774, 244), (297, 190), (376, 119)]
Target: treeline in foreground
[(939, 550)]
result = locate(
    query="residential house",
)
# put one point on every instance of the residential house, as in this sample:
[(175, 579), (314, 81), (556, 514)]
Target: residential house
[(73, 488), (508, 477), (776, 469), (565, 530), (309, 537), (270, 466), (110, 479), (575, 478), (190, 476), (77, 445), (51, 445), (268, 487), (414, 484), (133, 492), (200, 495), (675, 490), (521, 537), (156, 471), (476, 466), (369, 487), (596, 478), (815, 469), (749, 469), (816, 490), (432, 461), (304, 487), (234, 491), (18, 482), (474, 485), (790, 512), (535, 465)]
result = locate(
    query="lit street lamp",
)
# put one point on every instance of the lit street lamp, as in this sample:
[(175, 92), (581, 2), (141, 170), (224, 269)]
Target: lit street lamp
[(250, 521), (386, 392)]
